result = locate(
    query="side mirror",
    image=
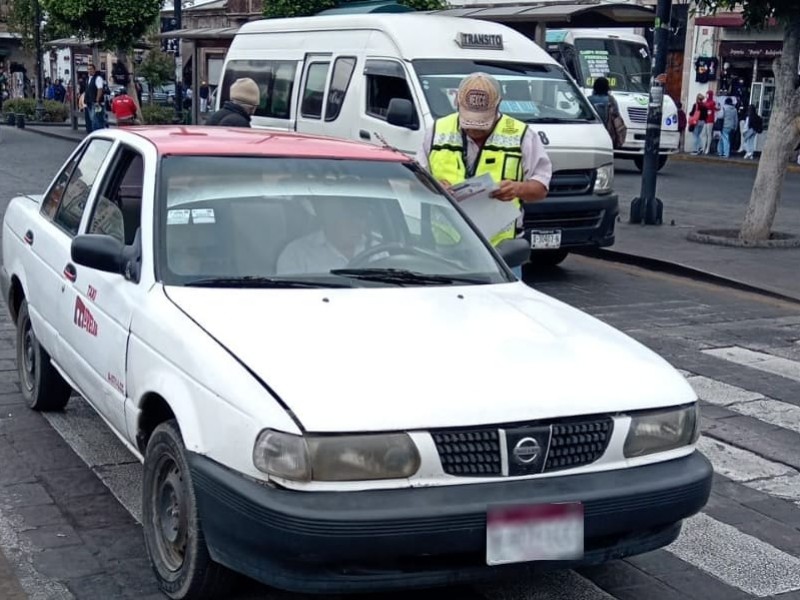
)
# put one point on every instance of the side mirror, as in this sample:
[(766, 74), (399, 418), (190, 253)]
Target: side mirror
[(401, 113), (515, 252), (101, 252)]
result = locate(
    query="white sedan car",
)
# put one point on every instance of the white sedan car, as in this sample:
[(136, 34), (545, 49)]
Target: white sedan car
[(333, 381)]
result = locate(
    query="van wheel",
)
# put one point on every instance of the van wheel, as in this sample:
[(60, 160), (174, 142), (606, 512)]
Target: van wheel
[(42, 386), (639, 162), (173, 533), (545, 259)]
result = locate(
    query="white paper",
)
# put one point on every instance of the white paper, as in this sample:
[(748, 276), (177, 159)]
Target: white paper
[(490, 215)]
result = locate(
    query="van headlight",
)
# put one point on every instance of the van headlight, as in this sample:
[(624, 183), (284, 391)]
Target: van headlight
[(335, 457), (663, 430), (604, 181)]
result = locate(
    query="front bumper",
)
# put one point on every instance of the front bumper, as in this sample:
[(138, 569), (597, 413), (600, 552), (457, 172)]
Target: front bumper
[(585, 221), (635, 143), (328, 542)]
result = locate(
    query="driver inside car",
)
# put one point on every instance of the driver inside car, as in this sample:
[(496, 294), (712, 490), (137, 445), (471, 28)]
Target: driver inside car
[(343, 236)]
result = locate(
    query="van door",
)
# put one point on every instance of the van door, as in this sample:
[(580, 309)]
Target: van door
[(384, 80), (313, 91)]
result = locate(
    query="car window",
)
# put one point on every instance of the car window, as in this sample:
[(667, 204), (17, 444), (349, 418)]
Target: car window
[(73, 200), (275, 80), (50, 202), (118, 210), (314, 91), (239, 217), (385, 80), (343, 69)]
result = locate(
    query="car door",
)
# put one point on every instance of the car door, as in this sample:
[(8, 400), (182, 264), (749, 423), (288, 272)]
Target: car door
[(100, 304), (386, 79), (50, 237)]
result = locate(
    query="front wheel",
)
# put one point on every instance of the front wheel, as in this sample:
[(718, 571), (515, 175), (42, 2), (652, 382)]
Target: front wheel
[(43, 388), (173, 533), (639, 162)]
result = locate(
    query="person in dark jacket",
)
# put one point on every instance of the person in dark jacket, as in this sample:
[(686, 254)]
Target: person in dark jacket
[(245, 98)]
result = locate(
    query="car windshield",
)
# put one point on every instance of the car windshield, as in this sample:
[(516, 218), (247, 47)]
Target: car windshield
[(291, 222), (625, 64), (531, 93)]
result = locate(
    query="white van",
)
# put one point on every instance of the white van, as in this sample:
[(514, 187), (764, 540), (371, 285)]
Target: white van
[(386, 77), (624, 59)]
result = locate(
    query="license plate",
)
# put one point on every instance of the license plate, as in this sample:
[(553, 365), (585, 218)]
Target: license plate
[(517, 534), (545, 239)]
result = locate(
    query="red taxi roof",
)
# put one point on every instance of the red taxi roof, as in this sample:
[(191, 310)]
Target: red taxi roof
[(223, 141)]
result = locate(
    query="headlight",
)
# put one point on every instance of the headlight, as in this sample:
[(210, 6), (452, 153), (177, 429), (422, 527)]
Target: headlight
[(660, 431), (604, 181), (336, 458)]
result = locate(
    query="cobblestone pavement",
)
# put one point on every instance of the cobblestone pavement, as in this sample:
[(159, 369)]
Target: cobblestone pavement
[(69, 490)]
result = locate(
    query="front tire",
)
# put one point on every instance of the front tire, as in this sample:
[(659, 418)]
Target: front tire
[(639, 162), (42, 386), (173, 533)]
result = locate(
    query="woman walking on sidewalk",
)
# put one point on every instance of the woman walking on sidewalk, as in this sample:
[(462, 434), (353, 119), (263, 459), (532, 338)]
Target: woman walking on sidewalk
[(698, 116), (753, 125)]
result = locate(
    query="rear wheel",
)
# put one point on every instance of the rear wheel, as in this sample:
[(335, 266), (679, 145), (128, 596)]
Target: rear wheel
[(639, 162), (173, 533), (42, 386)]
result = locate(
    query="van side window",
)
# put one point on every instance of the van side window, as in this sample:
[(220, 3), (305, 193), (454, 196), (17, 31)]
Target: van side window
[(385, 80), (275, 79), (340, 80), (314, 91)]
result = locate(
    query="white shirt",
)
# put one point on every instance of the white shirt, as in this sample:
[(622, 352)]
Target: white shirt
[(313, 253)]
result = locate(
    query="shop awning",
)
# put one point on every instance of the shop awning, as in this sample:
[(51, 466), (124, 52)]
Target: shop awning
[(87, 44), (204, 33), (584, 14), (730, 20)]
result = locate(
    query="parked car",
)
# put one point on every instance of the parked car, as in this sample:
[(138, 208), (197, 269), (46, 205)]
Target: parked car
[(333, 380)]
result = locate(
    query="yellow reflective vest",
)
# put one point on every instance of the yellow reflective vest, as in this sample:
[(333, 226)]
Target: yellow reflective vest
[(500, 157)]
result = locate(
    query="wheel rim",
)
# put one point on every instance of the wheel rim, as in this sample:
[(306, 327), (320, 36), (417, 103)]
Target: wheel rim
[(170, 514), (28, 356)]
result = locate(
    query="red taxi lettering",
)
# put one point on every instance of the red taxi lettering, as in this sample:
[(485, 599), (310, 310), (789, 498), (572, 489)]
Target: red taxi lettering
[(92, 293), (83, 318)]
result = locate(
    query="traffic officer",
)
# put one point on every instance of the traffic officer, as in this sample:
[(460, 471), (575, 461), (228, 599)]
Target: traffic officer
[(479, 139)]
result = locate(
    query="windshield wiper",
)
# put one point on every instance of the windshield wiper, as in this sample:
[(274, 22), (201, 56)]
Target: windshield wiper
[(401, 276), (252, 281)]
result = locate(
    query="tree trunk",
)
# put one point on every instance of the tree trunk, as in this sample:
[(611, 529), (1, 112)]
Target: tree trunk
[(784, 135), (124, 57)]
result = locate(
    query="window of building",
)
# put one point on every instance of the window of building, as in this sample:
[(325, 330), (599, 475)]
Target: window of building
[(275, 79), (340, 80), (314, 91)]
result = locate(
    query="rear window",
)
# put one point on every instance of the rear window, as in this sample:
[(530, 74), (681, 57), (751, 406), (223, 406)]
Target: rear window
[(275, 79)]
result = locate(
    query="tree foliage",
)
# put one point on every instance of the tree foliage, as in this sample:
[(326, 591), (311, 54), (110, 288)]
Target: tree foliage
[(756, 12), (119, 23), (305, 8), (157, 68)]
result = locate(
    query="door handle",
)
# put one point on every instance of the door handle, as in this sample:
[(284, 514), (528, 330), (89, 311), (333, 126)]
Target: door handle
[(70, 272), (29, 237), (364, 135)]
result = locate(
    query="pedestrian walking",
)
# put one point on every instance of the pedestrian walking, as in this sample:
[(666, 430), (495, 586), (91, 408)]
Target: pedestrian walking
[(753, 125), (203, 94), (682, 123), (124, 109), (478, 139), (94, 98), (697, 123), (711, 117), (608, 110), (236, 112), (729, 118)]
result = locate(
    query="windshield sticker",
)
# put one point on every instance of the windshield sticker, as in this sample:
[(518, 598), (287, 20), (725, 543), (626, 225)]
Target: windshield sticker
[(518, 106), (597, 62), (177, 216), (203, 215)]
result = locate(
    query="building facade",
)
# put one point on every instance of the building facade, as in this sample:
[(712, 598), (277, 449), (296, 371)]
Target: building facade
[(17, 66)]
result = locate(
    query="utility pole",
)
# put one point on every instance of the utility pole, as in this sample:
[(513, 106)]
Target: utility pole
[(37, 40), (647, 208), (178, 5)]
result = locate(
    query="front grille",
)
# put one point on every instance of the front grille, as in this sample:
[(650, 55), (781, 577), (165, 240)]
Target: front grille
[(572, 183), (567, 219), (478, 453), (469, 453), (637, 115)]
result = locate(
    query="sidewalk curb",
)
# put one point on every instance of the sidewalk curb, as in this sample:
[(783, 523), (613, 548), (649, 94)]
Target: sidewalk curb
[(682, 270), (736, 162), (54, 134)]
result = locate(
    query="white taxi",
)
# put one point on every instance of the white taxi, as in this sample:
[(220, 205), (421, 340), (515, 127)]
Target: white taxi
[(333, 381)]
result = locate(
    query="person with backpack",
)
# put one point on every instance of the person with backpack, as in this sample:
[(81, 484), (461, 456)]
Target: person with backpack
[(608, 110), (753, 125)]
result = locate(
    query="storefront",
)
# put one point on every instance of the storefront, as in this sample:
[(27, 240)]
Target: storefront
[(746, 72)]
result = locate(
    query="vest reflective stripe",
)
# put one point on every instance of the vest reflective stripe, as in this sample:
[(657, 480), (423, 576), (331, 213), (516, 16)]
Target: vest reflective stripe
[(501, 156)]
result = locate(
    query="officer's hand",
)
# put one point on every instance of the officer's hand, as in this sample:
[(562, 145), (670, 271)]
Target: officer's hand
[(506, 192)]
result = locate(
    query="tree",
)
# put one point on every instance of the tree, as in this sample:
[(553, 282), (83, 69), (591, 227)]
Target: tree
[(784, 122), (157, 69), (304, 8)]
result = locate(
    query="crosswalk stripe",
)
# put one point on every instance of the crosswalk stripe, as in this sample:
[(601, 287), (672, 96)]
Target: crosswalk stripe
[(738, 559), (738, 464), (762, 361), (719, 393)]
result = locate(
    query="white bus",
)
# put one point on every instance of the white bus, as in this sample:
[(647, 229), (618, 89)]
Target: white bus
[(624, 59)]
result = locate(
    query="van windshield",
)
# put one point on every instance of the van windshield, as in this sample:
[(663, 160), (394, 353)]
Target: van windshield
[(531, 93)]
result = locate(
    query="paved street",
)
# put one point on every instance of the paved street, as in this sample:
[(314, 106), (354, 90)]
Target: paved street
[(69, 491)]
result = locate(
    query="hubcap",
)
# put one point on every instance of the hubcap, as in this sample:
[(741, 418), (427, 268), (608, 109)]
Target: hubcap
[(28, 356), (170, 514)]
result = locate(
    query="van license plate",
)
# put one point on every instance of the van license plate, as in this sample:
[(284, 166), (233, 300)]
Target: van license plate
[(544, 240), (517, 534)]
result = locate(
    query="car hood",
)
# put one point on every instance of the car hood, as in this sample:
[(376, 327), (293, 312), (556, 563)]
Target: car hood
[(416, 358)]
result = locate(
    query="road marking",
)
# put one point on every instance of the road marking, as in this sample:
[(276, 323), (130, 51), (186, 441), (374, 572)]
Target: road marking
[(736, 558), (774, 412), (762, 361), (738, 464), (719, 393)]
